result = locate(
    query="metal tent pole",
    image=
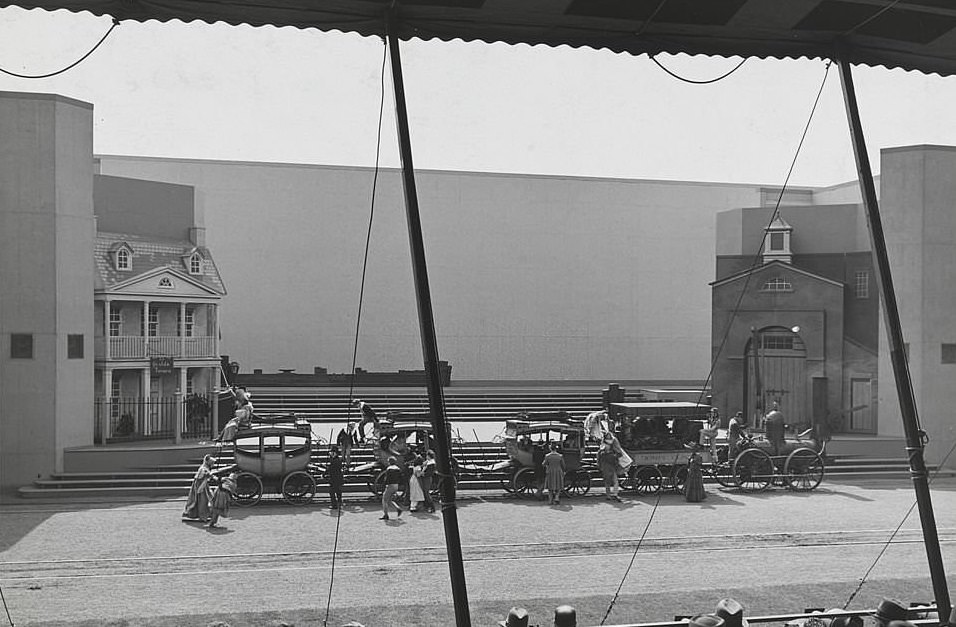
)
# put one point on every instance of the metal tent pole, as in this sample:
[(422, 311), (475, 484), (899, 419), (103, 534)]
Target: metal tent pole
[(915, 436), (436, 402)]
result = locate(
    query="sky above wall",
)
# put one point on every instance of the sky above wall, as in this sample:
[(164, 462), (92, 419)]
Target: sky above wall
[(285, 95)]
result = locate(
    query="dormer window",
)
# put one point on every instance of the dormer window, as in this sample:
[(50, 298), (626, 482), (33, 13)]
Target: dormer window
[(195, 263), (123, 259), (165, 283)]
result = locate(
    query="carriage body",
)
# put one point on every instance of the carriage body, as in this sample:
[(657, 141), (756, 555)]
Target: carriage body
[(275, 452), (528, 438), (659, 437)]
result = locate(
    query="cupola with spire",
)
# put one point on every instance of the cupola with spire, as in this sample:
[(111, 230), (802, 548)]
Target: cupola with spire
[(776, 241)]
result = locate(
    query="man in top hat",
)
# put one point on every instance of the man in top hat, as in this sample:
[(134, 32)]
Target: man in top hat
[(731, 612), (565, 616), (517, 617), (890, 610)]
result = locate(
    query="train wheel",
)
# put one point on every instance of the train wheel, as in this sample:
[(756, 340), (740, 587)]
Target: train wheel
[(523, 483), (753, 470), (646, 480), (724, 474), (248, 489), (803, 470), (577, 483), (298, 488)]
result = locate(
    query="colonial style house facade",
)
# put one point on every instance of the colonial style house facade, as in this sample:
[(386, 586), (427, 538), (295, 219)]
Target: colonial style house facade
[(156, 336)]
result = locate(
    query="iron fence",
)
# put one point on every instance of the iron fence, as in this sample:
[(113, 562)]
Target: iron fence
[(135, 419)]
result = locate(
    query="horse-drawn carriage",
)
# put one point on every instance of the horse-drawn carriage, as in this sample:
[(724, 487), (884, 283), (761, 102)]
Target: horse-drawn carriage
[(275, 452), (403, 436), (527, 440), (660, 437)]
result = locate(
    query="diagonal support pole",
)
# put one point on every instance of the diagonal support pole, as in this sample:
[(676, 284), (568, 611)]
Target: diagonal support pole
[(904, 385), (436, 401)]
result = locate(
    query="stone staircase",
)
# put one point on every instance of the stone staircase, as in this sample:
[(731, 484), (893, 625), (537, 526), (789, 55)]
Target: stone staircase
[(330, 407)]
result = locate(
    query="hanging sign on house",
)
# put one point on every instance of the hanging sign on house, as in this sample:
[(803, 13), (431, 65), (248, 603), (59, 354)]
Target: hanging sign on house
[(160, 365)]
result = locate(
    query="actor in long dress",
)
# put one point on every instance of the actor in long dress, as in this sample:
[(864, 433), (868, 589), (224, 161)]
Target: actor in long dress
[(197, 501), (554, 474), (594, 424), (416, 495), (694, 487), (221, 497)]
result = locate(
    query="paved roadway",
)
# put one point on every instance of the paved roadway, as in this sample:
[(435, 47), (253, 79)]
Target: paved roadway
[(101, 562)]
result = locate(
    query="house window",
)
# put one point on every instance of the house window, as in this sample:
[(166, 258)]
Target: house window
[(21, 346), (166, 283), (153, 322), (74, 346), (777, 342), (195, 264), (190, 387), (124, 260), (115, 320), (776, 241), (187, 324), (861, 284), (777, 284), (949, 354)]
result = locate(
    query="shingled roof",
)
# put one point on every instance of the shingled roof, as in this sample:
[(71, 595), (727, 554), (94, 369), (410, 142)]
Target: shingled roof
[(150, 254)]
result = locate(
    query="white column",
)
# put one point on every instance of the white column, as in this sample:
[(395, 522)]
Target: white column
[(146, 329), (147, 426), (108, 407), (213, 388), (182, 333), (106, 334), (180, 406), (217, 333)]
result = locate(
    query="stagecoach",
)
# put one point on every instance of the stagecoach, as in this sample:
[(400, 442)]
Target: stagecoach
[(274, 452), (660, 437), (400, 435), (527, 440)]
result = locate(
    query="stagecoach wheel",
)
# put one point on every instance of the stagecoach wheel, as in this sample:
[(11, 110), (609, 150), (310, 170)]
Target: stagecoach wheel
[(753, 470), (679, 478), (377, 485), (647, 480), (723, 473), (248, 489), (506, 483), (523, 483), (298, 488), (803, 470), (577, 483)]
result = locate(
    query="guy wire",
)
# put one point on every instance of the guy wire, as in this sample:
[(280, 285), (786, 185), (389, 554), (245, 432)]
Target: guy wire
[(358, 318)]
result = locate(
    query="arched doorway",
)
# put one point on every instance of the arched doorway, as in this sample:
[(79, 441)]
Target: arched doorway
[(775, 370)]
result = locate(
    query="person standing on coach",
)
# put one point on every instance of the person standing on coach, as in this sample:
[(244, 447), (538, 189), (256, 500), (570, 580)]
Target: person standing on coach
[(336, 475), (368, 416)]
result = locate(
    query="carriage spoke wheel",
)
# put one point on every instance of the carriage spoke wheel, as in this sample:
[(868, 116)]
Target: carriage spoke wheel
[(298, 488), (646, 480), (248, 489), (679, 479), (523, 483), (723, 473), (803, 470), (506, 483), (577, 483), (753, 470), (377, 485)]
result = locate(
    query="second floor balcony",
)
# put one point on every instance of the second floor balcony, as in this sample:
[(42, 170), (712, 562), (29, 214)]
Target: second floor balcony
[(140, 347)]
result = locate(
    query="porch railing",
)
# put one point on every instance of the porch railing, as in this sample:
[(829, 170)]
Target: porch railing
[(140, 347), (136, 419)]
